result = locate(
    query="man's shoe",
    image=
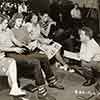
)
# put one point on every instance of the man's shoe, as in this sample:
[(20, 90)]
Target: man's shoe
[(57, 85), (89, 82), (46, 97), (30, 87)]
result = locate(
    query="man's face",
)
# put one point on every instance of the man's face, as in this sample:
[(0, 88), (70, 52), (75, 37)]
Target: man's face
[(83, 37), (18, 22), (45, 17)]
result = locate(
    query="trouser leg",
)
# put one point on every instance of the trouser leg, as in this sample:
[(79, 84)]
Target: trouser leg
[(26, 65), (29, 62), (88, 70), (45, 65)]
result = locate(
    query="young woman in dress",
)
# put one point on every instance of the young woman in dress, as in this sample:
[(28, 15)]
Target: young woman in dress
[(8, 65), (49, 47)]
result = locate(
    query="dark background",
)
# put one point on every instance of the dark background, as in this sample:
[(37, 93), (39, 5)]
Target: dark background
[(40, 4)]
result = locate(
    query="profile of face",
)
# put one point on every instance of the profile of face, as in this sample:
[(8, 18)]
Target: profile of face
[(18, 22), (34, 19), (4, 24), (45, 17), (83, 36)]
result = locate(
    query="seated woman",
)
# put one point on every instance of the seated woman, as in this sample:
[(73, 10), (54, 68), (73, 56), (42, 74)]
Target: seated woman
[(30, 62), (49, 47), (8, 65)]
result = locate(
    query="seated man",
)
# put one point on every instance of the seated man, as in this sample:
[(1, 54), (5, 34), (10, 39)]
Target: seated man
[(48, 26), (89, 54)]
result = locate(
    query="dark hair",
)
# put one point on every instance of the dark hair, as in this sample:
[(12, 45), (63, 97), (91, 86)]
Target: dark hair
[(88, 31), (34, 14), (3, 17), (15, 16), (76, 4), (44, 12)]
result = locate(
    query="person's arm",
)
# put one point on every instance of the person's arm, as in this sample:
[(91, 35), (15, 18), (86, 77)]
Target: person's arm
[(12, 49), (5, 49), (72, 13), (49, 26), (15, 41), (41, 39), (47, 31)]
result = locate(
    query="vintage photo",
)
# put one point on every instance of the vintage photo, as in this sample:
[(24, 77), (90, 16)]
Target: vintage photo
[(49, 50)]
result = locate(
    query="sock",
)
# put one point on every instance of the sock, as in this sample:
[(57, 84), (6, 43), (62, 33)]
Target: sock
[(42, 91), (52, 80)]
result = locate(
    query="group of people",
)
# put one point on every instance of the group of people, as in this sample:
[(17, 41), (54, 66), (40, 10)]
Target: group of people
[(26, 49)]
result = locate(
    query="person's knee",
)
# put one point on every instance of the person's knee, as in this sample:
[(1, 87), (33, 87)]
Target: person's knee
[(12, 62), (32, 61), (12, 66), (35, 63)]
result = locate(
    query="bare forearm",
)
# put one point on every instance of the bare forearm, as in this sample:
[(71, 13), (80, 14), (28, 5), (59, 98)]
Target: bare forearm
[(5, 49)]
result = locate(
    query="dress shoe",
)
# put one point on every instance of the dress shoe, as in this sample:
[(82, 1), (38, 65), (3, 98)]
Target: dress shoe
[(57, 85), (89, 82), (46, 97), (30, 87)]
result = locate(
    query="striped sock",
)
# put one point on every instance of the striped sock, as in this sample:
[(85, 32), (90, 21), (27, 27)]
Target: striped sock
[(52, 80), (42, 91)]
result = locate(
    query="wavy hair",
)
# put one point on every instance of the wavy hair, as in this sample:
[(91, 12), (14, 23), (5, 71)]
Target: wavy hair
[(13, 19), (3, 17)]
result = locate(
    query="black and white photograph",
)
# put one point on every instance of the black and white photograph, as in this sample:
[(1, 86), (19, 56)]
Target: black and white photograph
[(49, 49)]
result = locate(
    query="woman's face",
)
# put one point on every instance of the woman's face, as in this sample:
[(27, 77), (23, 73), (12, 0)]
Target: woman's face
[(4, 24), (34, 19), (19, 22)]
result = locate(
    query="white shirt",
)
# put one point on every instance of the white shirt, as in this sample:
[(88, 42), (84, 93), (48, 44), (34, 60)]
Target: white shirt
[(90, 51), (75, 13)]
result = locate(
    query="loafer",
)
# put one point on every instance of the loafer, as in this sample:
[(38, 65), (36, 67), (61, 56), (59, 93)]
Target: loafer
[(30, 87), (57, 85)]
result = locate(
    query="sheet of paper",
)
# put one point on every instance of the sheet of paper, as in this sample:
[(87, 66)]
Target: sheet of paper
[(71, 55)]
